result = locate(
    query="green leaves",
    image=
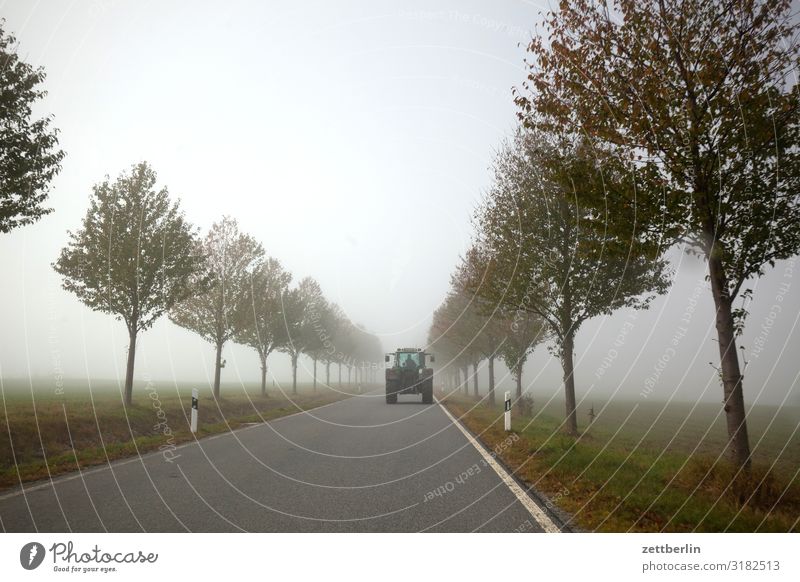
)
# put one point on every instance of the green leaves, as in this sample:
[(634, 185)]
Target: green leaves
[(29, 156), (553, 255), (699, 99), (303, 307), (545, 260), (261, 315), (135, 255), (703, 92), (217, 308)]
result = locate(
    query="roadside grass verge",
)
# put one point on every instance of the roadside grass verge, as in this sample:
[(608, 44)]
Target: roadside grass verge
[(45, 434), (609, 481)]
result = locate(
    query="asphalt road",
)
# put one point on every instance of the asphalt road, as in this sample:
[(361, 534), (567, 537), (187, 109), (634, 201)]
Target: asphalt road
[(355, 465)]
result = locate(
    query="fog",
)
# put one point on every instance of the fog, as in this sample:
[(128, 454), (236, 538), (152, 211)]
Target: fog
[(354, 141)]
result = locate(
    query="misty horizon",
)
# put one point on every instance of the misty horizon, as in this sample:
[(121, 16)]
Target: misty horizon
[(319, 164)]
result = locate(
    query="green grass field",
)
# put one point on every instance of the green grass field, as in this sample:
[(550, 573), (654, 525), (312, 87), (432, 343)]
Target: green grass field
[(44, 433), (651, 467), (691, 428)]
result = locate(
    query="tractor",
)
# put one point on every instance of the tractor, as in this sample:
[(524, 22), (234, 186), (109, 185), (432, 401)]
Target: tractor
[(408, 374)]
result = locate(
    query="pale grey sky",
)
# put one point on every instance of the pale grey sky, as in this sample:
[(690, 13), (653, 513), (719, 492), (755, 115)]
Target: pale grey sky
[(353, 139)]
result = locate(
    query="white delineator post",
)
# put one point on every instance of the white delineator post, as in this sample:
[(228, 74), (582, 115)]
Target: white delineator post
[(507, 413), (194, 410)]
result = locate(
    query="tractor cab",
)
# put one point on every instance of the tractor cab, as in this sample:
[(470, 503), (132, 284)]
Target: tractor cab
[(409, 358)]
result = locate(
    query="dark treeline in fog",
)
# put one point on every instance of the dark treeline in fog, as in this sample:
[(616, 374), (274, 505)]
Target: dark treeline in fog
[(664, 123)]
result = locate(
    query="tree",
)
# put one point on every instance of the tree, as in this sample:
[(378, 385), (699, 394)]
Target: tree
[(217, 312), (357, 349), (292, 309), (300, 307), (702, 94), (366, 352), (342, 342), (335, 320), (29, 157), (525, 331), (453, 332), (345, 346), (486, 319), (262, 327), (550, 256), (134, 257), (491, 328), (374, 355), (441, 343), (318, 331), (444, 348)]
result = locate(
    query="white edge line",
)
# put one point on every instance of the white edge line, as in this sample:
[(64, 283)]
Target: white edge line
[(536, 512)]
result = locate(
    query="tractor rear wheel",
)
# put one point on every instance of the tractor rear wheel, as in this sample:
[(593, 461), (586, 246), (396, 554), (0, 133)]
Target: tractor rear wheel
[(391, 393), (427, 394)]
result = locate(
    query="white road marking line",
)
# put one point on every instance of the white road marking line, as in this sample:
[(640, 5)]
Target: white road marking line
[(536, 512)]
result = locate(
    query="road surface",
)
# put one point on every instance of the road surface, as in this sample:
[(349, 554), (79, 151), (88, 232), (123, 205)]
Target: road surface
[(357, 465)]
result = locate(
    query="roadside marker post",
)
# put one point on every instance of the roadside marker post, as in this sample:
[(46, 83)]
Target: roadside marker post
[(194, 409), (507, 413)]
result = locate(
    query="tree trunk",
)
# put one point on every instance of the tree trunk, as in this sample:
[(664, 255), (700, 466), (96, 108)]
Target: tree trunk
[(457, 378), (738, 441), (349, 375), (568, 329), (466, 380), (491, 381), (475, 379), (294, 373), (315, 374), (217, 370), (128, 396), (328, 374), (263, 374), (518, 378), (340, 375), (568, 367)]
